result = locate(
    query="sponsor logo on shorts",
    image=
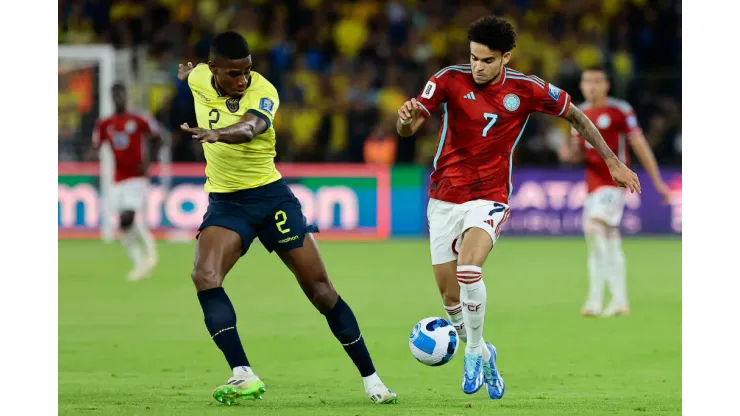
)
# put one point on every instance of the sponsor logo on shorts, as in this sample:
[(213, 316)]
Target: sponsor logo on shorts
[(288, 240)]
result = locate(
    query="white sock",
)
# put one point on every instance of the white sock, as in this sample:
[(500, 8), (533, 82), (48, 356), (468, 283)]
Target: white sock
[(454, 314), (146, 238), (371, 380), (130, 242), (597, 256), (617, 275), (473, 297), (242, 371)]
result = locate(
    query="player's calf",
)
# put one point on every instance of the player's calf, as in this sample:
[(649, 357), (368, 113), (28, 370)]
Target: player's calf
[(131, 243), (477, 243), (446, 276), (217, 251), (305, 263)]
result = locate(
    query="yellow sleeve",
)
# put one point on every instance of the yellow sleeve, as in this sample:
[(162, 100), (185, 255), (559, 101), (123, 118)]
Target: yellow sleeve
[(264, 104), (200, 77)]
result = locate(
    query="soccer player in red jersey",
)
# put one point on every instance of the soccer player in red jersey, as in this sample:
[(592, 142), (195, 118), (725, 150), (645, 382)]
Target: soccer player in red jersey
[(602, 212), (125, 132), (485, 109)]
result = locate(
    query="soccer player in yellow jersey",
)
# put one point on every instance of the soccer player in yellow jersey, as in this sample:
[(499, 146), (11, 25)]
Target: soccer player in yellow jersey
[(248, 198)]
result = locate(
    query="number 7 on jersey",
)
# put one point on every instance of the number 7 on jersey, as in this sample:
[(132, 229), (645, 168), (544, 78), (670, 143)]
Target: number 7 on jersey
[(493, 118)]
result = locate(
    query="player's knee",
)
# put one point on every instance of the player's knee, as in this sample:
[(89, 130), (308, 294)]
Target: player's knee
[(323, 296), (127, 219), (476, 246), (205, 278)]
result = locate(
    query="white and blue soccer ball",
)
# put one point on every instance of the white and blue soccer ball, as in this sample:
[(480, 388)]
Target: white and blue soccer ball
[(433, 341)]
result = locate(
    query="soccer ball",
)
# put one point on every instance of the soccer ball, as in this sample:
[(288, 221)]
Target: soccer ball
[(433, 341)]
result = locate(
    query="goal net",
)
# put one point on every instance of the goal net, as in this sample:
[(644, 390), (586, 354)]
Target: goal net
[(86, 76)]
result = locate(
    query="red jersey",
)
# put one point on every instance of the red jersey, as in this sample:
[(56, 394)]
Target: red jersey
[(481, 126), (125, 133), (615, 121)]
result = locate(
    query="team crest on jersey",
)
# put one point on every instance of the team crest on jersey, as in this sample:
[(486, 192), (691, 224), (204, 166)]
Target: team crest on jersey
[(120, 140), (554, 92), (429, 90), (266, 104), (511, 102), (130, 126), (603, 122), (232, 104)]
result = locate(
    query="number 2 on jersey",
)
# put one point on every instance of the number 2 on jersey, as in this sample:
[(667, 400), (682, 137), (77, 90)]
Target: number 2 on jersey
[(214, 117), (493, 118)]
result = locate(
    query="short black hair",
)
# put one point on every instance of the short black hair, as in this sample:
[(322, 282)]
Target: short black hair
[(494, 32), (599, 68), (230, 45), (119, 85)]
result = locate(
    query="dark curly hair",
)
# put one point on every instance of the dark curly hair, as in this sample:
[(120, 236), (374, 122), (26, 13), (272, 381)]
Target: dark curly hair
[(494, 32)]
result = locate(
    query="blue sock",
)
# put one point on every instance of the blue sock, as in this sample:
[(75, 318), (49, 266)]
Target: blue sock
[(345, 328), (220, 320)]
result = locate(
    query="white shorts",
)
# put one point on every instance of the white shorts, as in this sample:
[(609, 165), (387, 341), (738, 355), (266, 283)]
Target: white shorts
[(129, 194), (448, 221), (606, 204)]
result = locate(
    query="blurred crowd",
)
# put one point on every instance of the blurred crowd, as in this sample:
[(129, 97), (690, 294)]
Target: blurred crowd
[(342, 68)]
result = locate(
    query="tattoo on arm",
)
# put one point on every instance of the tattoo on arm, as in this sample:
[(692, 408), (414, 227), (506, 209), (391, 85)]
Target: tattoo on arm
[(583, 125)]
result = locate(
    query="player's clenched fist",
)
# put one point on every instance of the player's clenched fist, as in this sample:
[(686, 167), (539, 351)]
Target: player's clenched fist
[(624, 177), (409, 110), (184, 70)]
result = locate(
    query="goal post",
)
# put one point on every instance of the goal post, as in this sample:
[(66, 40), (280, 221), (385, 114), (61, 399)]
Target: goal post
[(99, 67)]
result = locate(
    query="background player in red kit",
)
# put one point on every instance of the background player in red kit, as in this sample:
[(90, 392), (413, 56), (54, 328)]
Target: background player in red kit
[(485, 109), (602, 212), (125, 132)]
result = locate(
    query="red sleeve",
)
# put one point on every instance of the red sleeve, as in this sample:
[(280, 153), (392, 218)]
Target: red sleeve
[(149, 125), (99, 134), (631, 125), (434, 93), (550, 99)]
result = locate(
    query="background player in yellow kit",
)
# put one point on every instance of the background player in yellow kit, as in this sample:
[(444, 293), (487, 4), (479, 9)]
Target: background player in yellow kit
[(248, 198)]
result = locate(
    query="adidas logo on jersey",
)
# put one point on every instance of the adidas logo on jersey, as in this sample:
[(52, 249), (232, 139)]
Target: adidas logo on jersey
[(470, 96)]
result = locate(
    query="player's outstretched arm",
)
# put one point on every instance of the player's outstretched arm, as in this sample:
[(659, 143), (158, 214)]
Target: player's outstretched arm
[(647, 159), (244, 131), (409, 118), (622, 175)]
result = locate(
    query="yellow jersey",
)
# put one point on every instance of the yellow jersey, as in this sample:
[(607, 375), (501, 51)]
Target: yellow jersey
[(233, 167)]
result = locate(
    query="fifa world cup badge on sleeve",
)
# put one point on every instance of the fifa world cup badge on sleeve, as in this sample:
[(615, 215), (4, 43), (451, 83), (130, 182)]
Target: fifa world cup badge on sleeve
[(554, 92), (266, 104)]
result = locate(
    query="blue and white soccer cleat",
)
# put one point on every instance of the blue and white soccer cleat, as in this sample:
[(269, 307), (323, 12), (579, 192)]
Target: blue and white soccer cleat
[(472, 373), (493, 379)]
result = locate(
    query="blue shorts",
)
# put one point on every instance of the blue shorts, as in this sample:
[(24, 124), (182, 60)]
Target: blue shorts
[(271, 212)]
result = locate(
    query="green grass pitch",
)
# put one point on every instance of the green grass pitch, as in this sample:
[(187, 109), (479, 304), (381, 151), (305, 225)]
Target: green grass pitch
[(142, 348)]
